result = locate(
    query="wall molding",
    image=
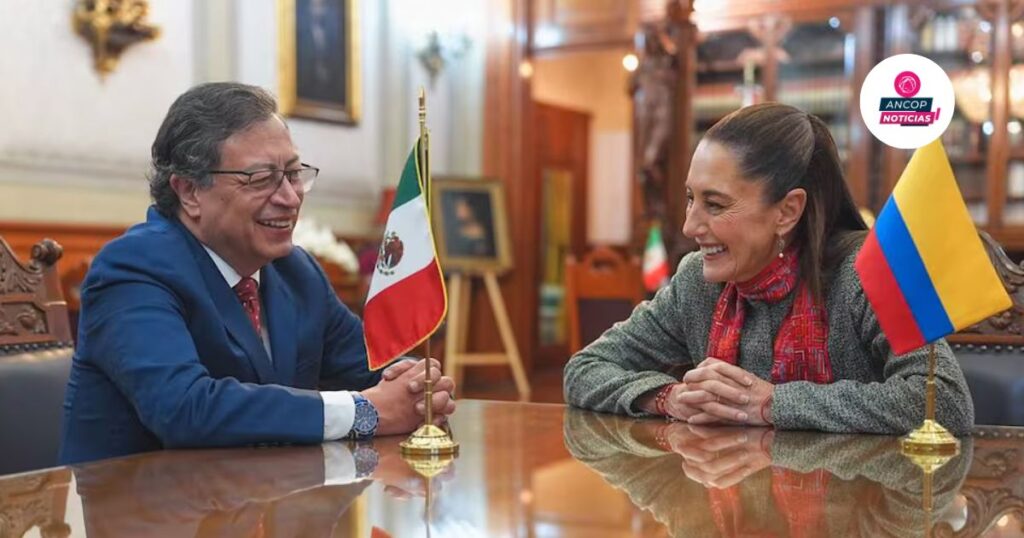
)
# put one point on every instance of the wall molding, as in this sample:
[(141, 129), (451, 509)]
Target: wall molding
[(61, 169)]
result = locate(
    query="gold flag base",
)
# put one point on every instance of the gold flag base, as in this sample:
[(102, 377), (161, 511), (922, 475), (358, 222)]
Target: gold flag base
[(929, 447), (429, 440), (930, 439), (429, 466)]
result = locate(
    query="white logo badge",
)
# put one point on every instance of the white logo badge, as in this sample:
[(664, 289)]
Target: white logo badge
[(907, 101)]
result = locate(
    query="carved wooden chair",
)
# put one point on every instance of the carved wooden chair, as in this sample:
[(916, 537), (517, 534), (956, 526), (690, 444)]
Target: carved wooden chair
[(991, 353), (35, 358), (600, 290)]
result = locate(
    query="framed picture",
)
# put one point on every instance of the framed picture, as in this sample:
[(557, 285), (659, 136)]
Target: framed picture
[(469, 225), (319, 59)]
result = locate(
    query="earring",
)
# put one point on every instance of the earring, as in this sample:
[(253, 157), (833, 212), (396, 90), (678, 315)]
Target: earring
[(781, 243)]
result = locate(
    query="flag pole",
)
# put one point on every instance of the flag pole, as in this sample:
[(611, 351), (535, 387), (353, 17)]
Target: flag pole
[(931, 438), (931, 445), (424, 163), (428, 441), (424, 149)]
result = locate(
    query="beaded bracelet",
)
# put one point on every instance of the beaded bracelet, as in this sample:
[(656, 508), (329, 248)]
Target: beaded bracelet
[(661, 399), (661, 439)]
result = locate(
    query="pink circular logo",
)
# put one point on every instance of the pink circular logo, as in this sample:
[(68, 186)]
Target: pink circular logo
[(907, 84)]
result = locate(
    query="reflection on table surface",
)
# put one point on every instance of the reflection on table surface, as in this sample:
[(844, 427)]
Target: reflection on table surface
[(536, 470)]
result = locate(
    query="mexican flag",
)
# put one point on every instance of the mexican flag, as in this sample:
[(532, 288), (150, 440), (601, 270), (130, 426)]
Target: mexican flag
[(655, 260), (407, 300)]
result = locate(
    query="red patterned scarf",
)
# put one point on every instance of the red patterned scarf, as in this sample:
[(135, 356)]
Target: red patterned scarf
[(799, 498), (801, 347)]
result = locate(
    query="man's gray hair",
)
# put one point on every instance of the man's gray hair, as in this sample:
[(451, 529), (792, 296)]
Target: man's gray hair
[(189, 141)]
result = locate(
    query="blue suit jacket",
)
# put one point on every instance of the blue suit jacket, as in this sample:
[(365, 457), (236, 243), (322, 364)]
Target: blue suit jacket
[(167, 357)]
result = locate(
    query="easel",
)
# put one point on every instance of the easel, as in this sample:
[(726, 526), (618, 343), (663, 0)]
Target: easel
[(456, 357)]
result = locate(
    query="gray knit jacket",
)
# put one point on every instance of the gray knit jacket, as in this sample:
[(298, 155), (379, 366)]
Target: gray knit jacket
[(874, 392)]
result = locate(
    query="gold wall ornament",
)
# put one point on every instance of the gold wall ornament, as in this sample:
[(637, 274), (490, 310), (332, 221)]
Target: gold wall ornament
[(111, 26)]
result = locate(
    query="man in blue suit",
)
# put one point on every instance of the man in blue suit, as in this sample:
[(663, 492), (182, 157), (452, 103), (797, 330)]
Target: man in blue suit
[(204, 326)]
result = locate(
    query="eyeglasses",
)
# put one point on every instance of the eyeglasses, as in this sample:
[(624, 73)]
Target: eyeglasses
[(265, 181)]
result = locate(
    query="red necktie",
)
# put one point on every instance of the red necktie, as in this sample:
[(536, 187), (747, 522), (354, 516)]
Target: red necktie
[(248, 292)]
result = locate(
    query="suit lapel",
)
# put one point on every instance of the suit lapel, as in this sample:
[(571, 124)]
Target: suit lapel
[(236, 321), (282, 320)]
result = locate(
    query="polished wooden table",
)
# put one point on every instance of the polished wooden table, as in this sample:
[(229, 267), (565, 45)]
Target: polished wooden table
[(534, 470)]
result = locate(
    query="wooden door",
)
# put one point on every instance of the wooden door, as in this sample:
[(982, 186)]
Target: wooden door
[(559, 181)]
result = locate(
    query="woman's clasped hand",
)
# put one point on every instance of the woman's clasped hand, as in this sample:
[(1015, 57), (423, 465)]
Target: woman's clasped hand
[(716, 392), (719, 457)]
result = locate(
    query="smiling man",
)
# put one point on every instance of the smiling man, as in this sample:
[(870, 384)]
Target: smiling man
[(204, 326)]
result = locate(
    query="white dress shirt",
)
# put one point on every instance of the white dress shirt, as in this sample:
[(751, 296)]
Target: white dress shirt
[(339, 406)]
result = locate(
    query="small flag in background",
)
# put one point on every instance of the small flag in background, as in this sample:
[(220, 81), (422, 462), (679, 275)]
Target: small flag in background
[(406, 302), (655, 260), (923, 267)]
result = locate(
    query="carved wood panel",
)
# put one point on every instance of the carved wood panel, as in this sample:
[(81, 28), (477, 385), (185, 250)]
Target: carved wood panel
[(994, 486), (79, 242), (22, 319)]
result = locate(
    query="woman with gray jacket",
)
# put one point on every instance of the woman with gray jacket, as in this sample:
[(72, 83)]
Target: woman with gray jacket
[(768, 320)]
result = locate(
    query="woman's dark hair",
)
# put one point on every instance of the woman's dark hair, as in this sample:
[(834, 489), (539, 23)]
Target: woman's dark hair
[(787, 149), (189, 141)]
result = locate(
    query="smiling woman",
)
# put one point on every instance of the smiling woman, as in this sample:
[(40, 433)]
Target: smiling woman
[(736, 231), (768, 320)]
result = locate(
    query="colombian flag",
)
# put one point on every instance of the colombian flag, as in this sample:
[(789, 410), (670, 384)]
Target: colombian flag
[(923, 267)]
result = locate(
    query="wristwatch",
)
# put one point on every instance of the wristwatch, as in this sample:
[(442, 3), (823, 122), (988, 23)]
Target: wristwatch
[(365, 458), (364, 426)]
